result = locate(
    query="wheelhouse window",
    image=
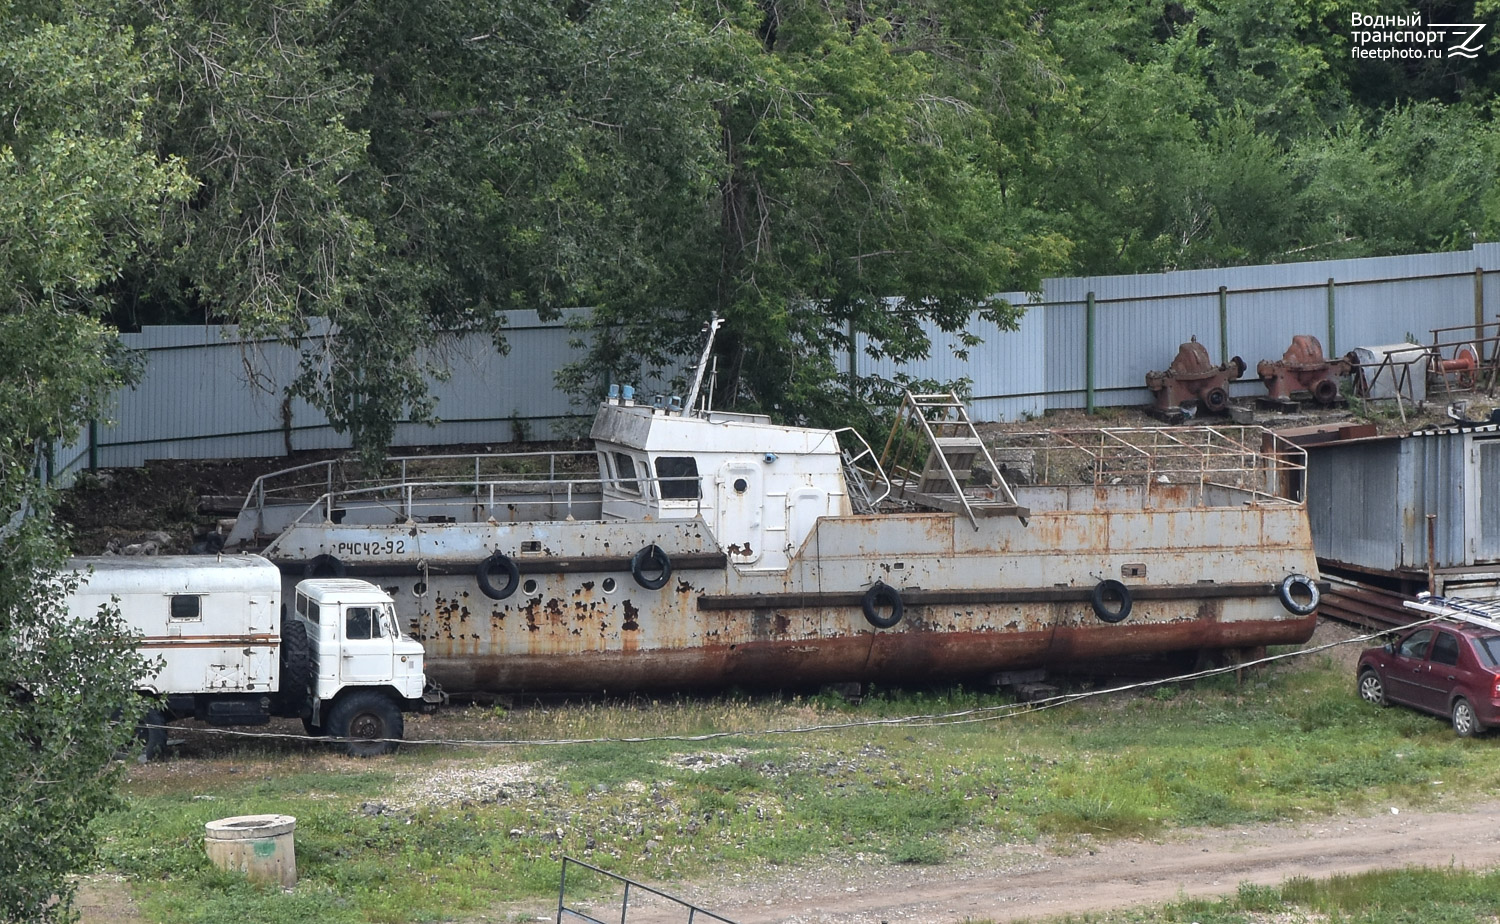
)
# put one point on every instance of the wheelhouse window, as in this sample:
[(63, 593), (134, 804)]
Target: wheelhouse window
[(678, 478), (362, 622), (625, 474), (186, 607)]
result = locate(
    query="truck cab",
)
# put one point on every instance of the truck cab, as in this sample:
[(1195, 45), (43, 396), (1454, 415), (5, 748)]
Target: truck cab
[(364, 671)]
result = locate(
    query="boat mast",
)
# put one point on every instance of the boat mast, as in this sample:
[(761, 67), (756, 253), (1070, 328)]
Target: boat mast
[(712, 328)]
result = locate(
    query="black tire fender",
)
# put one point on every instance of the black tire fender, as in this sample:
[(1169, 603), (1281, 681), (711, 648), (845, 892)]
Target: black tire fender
[(501, 563), (1111, 601), (881, 595), (651, 558), (1294, 584), (369, 722), (324, 566)]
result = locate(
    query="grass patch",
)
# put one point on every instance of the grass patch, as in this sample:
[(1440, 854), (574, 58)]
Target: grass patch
[(435, 834)]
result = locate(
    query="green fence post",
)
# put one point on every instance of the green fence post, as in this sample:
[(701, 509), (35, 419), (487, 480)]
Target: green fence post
[(1479, 305), (1088, 360), (1223, 326)]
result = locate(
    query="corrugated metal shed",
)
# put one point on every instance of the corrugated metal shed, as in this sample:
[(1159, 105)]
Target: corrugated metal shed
[(1368, 500)]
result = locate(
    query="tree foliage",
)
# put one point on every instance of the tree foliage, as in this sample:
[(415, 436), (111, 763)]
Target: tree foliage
[(80, 197), (825, 177), (865, 157)]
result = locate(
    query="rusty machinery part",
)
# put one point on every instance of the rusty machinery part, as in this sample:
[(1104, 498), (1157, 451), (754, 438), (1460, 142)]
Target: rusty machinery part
[(883, 596), (1465, 363), (1303, 367), (1193, 377), (648, 560), (1111, 601), (498, 563), (1299, 594), (323, 566)]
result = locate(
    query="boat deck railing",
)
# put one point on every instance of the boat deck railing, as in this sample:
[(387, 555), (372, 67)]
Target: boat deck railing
[(1249, 463), (497, 500), (281, 497)]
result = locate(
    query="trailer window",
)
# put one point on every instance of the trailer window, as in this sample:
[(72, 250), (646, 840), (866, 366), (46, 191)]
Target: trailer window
[(679, 476), (361, 622), (625, 473), (186, 607)]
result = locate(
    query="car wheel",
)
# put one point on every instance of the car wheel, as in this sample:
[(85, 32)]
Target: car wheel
[(369, 723), (1371, 689), (1465, 722)]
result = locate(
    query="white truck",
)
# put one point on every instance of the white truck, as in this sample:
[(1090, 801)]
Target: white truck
[(231, 653)]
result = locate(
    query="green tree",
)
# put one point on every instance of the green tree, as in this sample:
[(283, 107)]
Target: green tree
[(411, 172), (78, 197), (864, 161)]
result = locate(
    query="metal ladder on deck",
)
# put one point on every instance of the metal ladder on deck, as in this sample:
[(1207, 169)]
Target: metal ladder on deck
[(860, 483), (946, 479)]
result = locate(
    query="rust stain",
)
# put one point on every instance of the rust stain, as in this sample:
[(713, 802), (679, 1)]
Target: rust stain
[(632, 616)]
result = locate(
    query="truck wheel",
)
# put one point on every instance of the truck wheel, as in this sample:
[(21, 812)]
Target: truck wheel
[(368, 721)]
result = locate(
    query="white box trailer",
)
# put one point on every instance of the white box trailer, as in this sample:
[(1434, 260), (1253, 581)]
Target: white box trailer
[(230, 653)]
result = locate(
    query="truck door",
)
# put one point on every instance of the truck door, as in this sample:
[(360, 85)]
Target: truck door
[(368, 647)]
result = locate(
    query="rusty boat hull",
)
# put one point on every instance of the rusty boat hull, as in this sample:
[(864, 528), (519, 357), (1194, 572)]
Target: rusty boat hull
[(979, 597)]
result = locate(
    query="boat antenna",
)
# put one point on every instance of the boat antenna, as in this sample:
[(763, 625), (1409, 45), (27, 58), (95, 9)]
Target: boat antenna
[(711, 328)]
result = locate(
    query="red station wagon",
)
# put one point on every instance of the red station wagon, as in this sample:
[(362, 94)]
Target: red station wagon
[(1448, 668)]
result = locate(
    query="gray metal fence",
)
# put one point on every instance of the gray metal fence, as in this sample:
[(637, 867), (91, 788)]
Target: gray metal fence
[(1083, 342)]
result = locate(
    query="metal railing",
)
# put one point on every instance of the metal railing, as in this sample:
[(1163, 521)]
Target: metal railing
[(1247, 459), (405, 501), (569, 913)]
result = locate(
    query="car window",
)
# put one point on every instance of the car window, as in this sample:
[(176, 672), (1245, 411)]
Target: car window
[(1415, 644), (1444, 649), (1488, 650)]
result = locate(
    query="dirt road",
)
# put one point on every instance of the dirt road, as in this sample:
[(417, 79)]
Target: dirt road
[(1032, 882)]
